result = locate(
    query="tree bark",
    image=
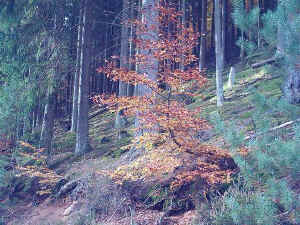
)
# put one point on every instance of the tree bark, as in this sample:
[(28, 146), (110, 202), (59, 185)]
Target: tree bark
[(202, 63), (130, 87), (76, 76), (292, 85), (183, 23), (48, 121), (223, 30), (219, 49), (242, 50), (150, 17), (120, 118), (82, 132), (212, 41)]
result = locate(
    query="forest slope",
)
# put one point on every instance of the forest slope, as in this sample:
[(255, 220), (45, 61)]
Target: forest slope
[(112, 204)]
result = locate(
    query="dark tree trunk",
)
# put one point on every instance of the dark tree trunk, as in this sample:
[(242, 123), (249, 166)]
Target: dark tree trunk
[(82, 132), (219, 48), (292, 85), (212, 41), (242, 50), (183, 23), (120, 118), (223, 30), (202, 63), (48, 121), (76, 75)]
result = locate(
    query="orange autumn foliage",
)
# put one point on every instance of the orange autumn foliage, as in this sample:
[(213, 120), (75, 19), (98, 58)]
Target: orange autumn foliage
[(166, 127), (47, 178)]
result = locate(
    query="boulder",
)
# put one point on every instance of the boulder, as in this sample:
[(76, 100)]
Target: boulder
[(179, 190), (72, 208), (67, 189)]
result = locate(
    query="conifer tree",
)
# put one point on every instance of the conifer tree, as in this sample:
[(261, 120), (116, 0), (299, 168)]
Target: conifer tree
[(55, 47), (77, 70), (219, 36), (279, 31), (82, 132), (288, 26)]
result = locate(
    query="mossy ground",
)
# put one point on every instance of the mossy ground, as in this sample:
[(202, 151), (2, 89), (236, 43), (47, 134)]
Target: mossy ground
[(237, 107), (107, 147)]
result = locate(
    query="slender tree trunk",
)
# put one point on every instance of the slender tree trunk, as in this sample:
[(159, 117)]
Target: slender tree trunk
[(250, 7), (105, 79), (40, 115), (48, 121), (76, 76), (183, 23), (202, 63), (33, 119), (212, 41), (242, 53), (258, 26), (219, 49), (82, 132), (120, 118), (223, 31), (130, 87)]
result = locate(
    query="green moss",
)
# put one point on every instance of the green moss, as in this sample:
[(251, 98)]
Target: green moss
[(270, 87), (65, 143), (246, 115)]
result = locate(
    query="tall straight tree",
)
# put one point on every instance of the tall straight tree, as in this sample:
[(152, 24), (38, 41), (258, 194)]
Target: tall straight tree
[(82, 132), (54, 48), (219, 49), (183, 23), (130, 87), (242, 50), (123, 87), (202, 62), (76, 75), (150, 18)]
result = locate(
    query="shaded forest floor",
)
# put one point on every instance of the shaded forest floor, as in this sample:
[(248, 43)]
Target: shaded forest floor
[(107, 154)]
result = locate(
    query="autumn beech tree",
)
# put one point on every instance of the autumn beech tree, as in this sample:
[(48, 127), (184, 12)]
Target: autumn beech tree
[(158, 60), (166, 127)]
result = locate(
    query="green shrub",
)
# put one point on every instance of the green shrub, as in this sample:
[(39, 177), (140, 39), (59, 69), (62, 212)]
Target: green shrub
[(264, 194), (241, 206)]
